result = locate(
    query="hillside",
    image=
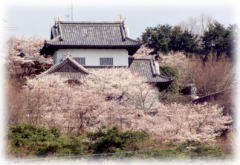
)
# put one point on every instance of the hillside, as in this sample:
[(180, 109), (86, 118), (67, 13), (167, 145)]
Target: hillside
[(110, 97)]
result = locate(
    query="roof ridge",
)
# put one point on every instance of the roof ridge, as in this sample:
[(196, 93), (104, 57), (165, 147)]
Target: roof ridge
[(123, 32), (79, 65), (90, 22), (62, 63), (135, 59)]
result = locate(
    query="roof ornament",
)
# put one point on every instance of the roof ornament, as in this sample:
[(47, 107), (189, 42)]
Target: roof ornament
[(126, 31), (121, 19), (156, 65), (58, 19)]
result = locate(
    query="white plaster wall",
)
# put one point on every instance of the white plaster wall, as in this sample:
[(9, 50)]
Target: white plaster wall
[(92, 56)]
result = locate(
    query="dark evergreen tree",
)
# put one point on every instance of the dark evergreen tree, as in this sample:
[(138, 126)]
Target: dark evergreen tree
[(183, 41), (158, 38), (214, 39), (176, 39), (230, 40)]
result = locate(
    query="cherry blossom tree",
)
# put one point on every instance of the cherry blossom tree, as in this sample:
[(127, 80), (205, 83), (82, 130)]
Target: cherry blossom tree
[(24, 57), (115, 99)]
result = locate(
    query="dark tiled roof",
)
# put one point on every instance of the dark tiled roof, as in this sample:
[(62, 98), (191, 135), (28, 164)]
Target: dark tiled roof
[(91, 34), (145, 67), (71, 69), (68, 68)]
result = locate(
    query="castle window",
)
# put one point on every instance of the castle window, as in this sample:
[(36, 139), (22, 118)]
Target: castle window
[(106, 61), (80, 60)]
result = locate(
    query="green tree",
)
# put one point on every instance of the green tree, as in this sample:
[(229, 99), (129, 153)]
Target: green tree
[(214, 40), (165, 38), (176, 39), (183, 41), (230, 40), (158, 38)]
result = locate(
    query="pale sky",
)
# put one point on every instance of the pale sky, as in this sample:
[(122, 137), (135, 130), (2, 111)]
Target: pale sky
[(36, 21)]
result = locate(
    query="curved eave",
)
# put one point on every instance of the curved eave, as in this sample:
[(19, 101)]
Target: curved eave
[(91, 46), (130, 39), (49, 48)]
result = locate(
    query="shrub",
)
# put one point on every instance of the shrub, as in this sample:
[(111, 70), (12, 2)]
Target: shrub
[(30, 140), (184, 150), (42, 141), (171, 72), (109, 140), (197, 149)]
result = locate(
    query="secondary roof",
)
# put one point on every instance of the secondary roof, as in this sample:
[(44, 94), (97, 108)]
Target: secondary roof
[(72, 70), (145, 68)]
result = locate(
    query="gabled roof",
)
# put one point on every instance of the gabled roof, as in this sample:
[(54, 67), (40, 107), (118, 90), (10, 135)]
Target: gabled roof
[(145, 67), (91, 35), (68, 65)]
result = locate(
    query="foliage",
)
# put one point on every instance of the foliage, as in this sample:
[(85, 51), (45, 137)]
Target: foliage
[(183, 41), (73, 108), (24, 58), (165, 38), (231, 41), (219, 39), (118, 83), (110, 97), (171, 72), (91, 107), (168, 98), (143, 52), (109, 140), (184, 150), (209, 77), (158, 38), (214, 39), (42, 141), (26, 140)]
